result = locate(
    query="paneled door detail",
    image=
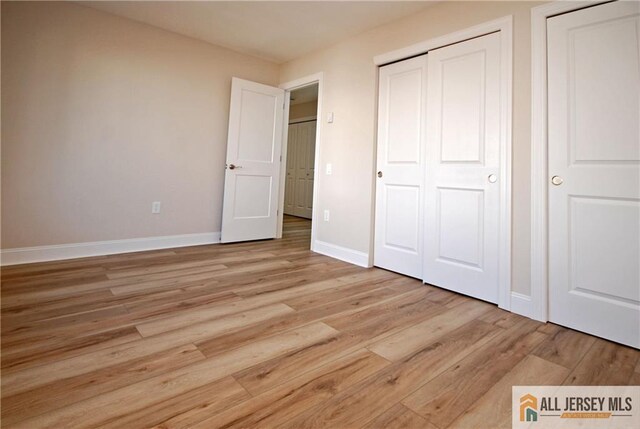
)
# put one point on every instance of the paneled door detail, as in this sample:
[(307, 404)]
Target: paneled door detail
[(400, 163), (462, 193), (290, 180), (253, 162), (301, 152), (594, 170)]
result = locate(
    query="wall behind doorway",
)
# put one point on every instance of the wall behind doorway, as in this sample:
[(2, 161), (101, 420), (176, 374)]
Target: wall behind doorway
[(303, 110)]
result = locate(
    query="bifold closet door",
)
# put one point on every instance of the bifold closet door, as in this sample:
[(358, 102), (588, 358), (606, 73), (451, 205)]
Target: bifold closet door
[(400, 160), (290, 181), (594, 170), (462, 210), (304, 168), (301, 150)]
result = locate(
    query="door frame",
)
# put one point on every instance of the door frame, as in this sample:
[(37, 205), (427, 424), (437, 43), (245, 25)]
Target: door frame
[(539, 153), (505, 26), (316, 78)]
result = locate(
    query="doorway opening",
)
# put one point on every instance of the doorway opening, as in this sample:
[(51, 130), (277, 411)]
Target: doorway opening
[(299, 153)]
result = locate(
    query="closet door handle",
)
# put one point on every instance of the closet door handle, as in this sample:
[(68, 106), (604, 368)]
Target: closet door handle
[(379, 173)]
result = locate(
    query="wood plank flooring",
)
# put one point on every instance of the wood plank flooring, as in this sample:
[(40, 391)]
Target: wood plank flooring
[(268, 334)]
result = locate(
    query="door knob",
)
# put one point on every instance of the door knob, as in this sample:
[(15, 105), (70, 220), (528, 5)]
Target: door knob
[(557, 180), (379, 173), (233, 167), (492, 178)]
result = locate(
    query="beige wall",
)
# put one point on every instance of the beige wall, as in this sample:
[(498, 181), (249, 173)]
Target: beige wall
[(349, 142), (106, 115), (303, 110), (102, 116)]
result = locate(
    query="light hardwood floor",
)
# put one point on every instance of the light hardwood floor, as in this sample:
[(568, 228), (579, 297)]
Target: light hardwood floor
[(268, 334)]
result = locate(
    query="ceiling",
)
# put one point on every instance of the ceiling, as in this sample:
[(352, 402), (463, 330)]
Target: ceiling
[(278, 31), (304, 94)]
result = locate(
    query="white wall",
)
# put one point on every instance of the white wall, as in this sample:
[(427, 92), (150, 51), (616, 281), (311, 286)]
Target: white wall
[(349, 143), (103, 115)]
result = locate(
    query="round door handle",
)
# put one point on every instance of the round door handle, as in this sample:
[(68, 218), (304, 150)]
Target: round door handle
[(379, 173), (557, 180), (492, 178), (233, 167)]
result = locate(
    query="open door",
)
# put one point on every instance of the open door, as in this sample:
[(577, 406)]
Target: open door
[(252, 173)]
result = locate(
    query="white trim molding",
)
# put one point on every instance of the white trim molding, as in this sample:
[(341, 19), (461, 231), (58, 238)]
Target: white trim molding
[(25, 255), (521, 304), (539, 209), (503, 25), (343, 253), (288, 87)]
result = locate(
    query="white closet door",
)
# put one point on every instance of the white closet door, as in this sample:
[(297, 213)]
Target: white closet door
[(305, 154), (594, 171), (463, 166), (290, 181), (400, 182)]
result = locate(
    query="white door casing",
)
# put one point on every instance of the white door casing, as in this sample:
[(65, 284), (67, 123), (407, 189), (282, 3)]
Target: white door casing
[(463, 168), (594, 155), (400, 161), (252, 175)]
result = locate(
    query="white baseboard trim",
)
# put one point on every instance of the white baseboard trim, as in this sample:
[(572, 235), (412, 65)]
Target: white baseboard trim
[(25, 255), (344, 254), (521, 304)]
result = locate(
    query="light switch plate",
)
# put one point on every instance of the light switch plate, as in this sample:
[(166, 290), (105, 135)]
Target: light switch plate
[(330, 117), (329, 169)]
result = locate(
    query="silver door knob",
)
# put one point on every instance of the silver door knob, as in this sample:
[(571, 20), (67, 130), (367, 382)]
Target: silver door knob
[(379, 173), (492, 178), (557, 180), (233, 167)]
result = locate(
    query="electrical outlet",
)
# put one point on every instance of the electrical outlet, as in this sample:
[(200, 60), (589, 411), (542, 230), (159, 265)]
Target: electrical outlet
[(329, 169), (155, 207), (326, 215)]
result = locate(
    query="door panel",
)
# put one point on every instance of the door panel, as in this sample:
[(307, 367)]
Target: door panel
[(594, 147), (253, 162), (311, 160), (300, 169), (290, 181), (462, 103), (463, 150), (460, 219), (402, 208), (399, 192)]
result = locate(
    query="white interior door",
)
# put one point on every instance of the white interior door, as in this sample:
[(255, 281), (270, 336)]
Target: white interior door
[(290, 180), (400, 182), (252, 174), (305, 159), (594, 159), (463, 168)]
